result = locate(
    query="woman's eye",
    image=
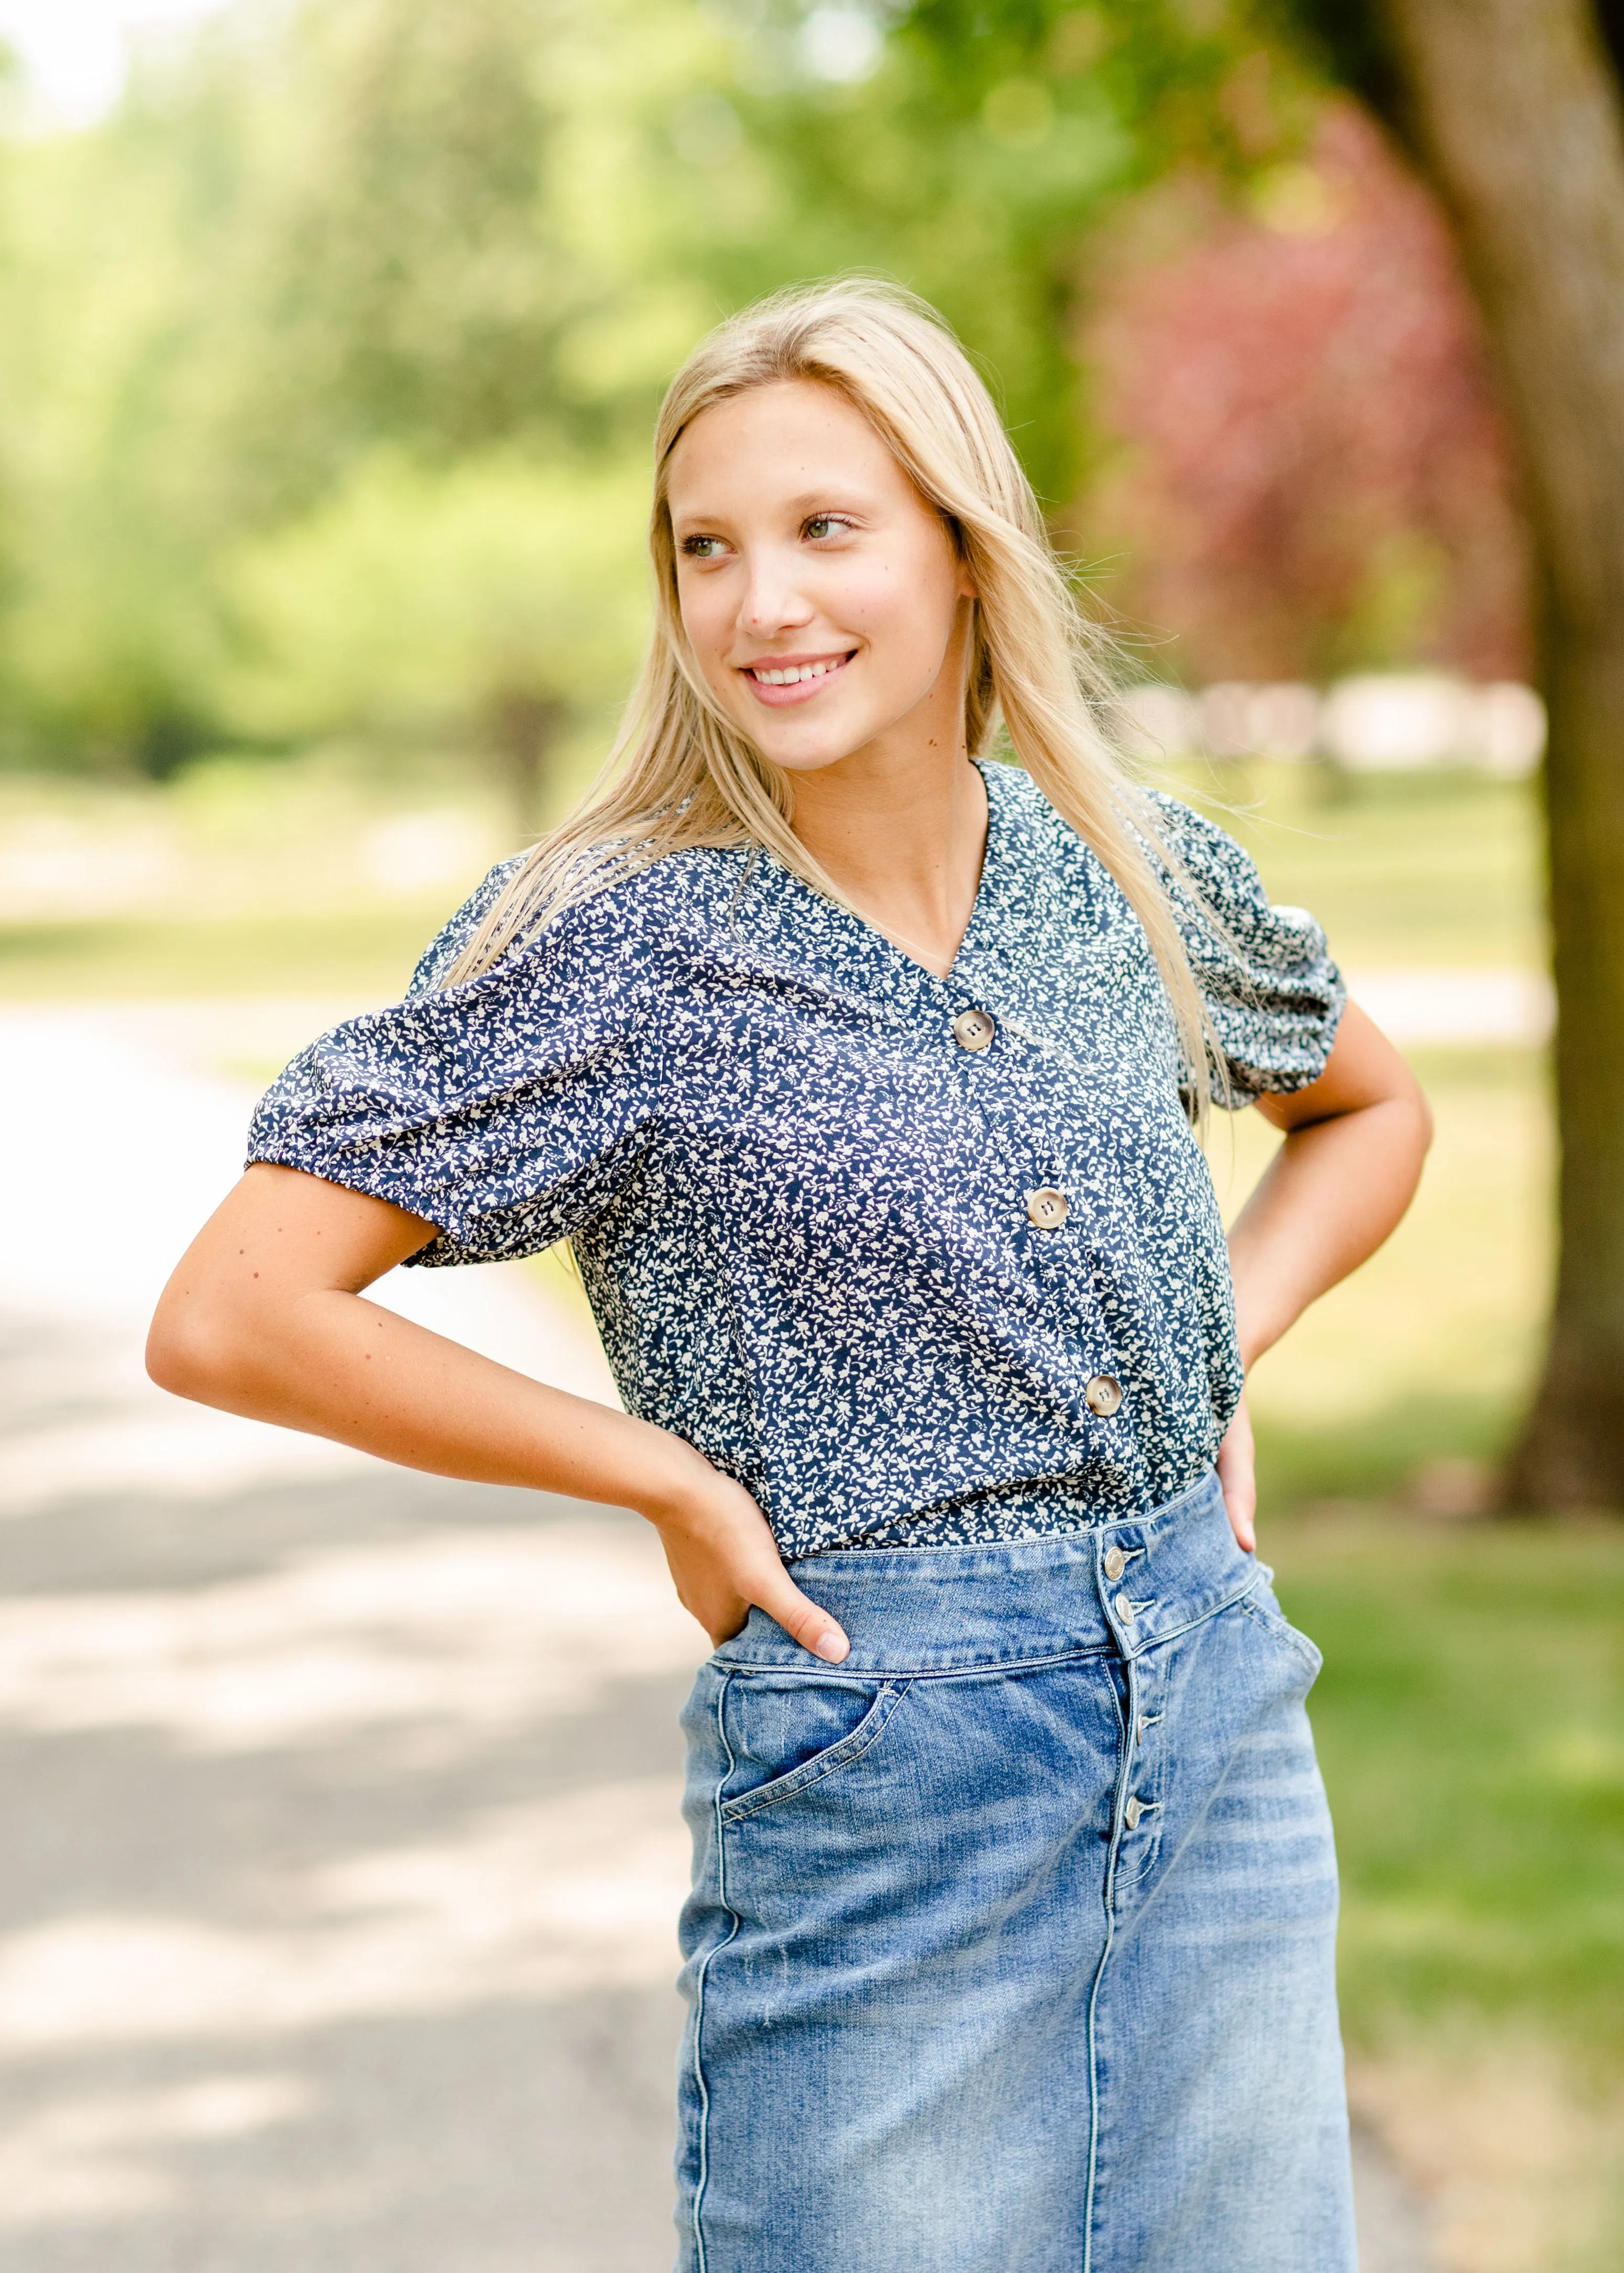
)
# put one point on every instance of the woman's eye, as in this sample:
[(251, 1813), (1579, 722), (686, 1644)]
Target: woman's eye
[(824, 524), (702, 548)]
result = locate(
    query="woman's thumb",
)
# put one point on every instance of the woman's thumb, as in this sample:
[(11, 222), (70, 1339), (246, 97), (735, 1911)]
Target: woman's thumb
[(805, 1622)]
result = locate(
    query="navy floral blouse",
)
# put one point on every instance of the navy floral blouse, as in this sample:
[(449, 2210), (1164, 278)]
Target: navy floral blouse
[(920, 1261)]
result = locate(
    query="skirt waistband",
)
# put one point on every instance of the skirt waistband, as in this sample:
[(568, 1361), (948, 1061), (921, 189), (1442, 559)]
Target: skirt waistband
[(1121, 1586)]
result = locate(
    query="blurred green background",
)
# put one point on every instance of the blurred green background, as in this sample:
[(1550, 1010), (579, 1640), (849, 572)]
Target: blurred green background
[(327, 360)]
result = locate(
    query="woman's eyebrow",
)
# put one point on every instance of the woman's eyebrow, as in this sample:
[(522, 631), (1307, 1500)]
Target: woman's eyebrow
[(830, 500)]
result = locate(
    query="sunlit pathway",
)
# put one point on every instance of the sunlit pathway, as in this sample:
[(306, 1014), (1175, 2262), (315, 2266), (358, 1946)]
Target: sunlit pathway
[(341, 1863), (336, 1921)]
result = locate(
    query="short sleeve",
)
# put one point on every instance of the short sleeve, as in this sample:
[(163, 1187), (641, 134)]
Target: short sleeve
[(1273, 995), (508, 1109)]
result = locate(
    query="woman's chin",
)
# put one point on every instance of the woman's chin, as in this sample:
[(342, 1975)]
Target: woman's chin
[(805, 746)]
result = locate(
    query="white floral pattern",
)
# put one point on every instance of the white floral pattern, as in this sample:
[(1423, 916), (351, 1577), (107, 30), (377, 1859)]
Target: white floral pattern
[(799, 1204)]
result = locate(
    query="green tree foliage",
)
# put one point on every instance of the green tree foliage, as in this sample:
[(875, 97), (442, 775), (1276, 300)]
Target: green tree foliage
[(419, 232), (432, 227), (476, 606), (977, 161), (458, 241)]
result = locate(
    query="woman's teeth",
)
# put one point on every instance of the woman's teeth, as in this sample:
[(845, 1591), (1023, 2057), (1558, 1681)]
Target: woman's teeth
[(792, 673)]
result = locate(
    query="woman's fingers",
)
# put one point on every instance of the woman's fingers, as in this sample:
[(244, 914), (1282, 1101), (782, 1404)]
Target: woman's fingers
[(1238, 1475), (804, 1621), (723, 1558)]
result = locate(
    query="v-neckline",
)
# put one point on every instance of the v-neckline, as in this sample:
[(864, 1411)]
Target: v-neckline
[(872, 931)]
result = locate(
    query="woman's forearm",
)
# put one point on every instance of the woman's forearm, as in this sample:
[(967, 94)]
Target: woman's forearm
[(334, 1364), (266, 1316), (1333, 1193), (1355, 1140)]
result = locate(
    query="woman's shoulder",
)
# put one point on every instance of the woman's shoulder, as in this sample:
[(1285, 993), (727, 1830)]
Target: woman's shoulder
[(622, 932), (1188, 849), (1216, 870), (1197, 839)]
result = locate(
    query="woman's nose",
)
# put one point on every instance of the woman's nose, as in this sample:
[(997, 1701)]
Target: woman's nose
[(773, 601)]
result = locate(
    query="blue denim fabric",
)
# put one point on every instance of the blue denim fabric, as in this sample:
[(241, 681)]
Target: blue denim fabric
[(956, 2004)]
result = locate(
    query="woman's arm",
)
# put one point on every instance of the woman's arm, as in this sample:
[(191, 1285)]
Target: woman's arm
[(1355, 1142), (266, 1316)]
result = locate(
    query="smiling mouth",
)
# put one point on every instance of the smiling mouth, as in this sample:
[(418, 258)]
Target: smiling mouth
[(797, 674)]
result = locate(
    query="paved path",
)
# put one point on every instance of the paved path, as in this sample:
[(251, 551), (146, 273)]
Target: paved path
[(342, 1854)]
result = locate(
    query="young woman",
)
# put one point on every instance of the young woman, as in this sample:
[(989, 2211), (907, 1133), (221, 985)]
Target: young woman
[(860, 1066)]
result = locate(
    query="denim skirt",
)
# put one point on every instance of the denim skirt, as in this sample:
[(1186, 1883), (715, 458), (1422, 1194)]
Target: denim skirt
[(1010, 1945)]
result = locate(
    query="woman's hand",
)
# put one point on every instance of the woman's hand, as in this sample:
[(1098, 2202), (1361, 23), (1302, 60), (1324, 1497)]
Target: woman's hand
[(723, 1559), (1238, 1474)]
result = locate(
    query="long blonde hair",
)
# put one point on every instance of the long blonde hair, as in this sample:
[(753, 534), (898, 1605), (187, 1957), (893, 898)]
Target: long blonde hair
[(682, 774)]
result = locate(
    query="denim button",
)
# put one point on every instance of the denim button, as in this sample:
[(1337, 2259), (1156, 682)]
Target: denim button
[(1132, 1813), (974, 1030), (1115, 1564), (1103, 1395), (1126, 1609), (1048, 1209)]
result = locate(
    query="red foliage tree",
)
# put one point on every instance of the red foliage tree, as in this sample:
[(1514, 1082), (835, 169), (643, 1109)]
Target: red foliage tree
[(1311, 472)]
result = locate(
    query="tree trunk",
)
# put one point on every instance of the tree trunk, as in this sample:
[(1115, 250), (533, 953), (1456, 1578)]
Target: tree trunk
[(522, 729), (1513, 109)]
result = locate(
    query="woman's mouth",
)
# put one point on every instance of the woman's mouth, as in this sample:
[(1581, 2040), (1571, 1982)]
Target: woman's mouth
[(779, 679)]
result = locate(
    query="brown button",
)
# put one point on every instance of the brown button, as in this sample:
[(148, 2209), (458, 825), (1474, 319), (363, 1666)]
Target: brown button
[(1115, 1564), (1102, 1395), (974, 1030), (1046, 1208)]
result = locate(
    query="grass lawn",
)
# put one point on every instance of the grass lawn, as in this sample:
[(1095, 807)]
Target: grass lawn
[(1470, 1721), (1470, 1725), (367, 953), (1400, 868)]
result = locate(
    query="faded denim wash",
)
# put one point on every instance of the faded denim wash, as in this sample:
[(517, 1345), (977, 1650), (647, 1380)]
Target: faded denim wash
[(1010, 1944)]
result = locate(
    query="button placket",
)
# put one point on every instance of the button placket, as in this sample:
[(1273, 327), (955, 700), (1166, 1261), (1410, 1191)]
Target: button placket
[(1142, 1793), (1064, 1265), (1127, 1608)]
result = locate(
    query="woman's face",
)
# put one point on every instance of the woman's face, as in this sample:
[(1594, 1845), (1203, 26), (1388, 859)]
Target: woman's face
[(826, 602)]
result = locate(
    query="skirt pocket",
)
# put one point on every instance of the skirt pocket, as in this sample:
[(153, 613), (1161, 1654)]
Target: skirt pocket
[(1260, 1602), (786, 1731)]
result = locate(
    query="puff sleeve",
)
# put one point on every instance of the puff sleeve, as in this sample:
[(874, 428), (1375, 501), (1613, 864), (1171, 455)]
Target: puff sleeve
[(1274, 997), (506, 1110)]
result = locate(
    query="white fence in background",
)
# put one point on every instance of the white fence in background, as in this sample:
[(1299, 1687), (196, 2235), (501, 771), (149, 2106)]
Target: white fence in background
[(1381, 722)]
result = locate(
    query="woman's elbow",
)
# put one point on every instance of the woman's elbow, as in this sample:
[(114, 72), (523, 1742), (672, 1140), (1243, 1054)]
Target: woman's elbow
[(1422, 1125), (192, 1349)]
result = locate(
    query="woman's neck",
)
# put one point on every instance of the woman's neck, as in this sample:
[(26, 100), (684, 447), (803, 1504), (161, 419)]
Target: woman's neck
[(903, 835)]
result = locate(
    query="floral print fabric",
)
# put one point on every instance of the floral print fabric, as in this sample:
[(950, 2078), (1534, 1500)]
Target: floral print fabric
[(800, 1203)]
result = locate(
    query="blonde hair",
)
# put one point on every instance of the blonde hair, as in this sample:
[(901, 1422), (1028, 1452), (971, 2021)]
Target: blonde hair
[(682, 774)]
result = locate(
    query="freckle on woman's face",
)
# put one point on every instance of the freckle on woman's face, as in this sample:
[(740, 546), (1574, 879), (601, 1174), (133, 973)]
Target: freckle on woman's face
[(820, 593)]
